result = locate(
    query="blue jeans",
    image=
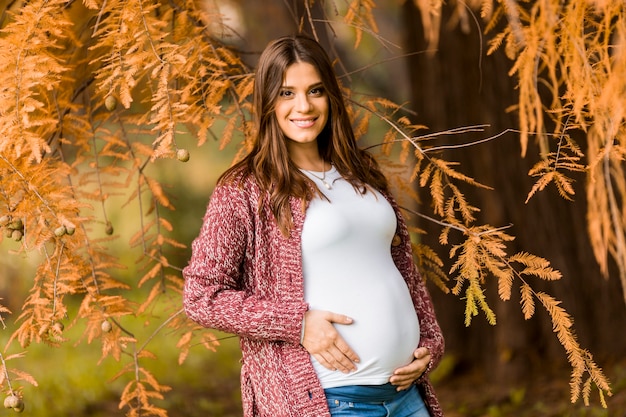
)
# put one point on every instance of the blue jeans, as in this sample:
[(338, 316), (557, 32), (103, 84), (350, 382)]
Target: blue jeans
[(408, 403)]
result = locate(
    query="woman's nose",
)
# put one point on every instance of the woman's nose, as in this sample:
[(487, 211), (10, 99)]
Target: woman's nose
[(303, 104)]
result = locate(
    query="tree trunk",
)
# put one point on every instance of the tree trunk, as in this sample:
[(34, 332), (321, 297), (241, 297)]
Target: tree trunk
[(266, 21), (459, 86)]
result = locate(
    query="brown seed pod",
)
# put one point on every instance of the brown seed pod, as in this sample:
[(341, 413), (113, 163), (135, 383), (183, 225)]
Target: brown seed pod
[(4, 220), (106, 326), (182, 155), (17, 235), (110, 102), (16, 224), (11, 401), (60, 231), (19, 407), (108, 229), (70, 230)]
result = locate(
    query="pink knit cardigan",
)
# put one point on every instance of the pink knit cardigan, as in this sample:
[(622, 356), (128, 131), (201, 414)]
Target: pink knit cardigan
[(245, 278)]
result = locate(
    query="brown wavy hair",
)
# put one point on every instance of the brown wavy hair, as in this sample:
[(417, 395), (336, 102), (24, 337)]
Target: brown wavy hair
[(269, 160)]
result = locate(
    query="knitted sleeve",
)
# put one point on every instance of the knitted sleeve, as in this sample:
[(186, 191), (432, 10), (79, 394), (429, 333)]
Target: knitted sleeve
[(217, 294), (430, 332)]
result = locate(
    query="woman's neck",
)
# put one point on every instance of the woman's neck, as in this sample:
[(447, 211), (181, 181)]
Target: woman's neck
[(317, 166), (310, 161), (306, 156)]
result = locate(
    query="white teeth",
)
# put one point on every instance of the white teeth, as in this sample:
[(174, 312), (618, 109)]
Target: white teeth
[(304, 123)]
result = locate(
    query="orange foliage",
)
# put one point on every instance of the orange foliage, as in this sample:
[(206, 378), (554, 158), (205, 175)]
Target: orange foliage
[(94, 92), (68, 148), (570, 62)]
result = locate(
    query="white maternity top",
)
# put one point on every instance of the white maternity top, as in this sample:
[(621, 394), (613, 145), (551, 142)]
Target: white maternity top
[(348, 269)]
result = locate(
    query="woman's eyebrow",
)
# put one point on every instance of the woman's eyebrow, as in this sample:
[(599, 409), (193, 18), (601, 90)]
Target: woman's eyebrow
[(288, 87)]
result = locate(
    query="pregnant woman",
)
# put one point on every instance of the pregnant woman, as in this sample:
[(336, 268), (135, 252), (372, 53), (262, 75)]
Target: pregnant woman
[(303, 254)]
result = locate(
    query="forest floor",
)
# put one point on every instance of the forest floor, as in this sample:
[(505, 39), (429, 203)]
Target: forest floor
[(545, 395), (207, 385), (464, 395)]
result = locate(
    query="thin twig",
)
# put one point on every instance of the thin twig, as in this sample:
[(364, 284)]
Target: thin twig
[(414, 139), (158, 329), (452, 226), (464, 145), (6, 373), (432, 219), (393, 58), (480, 46), (56, 278), (100, 13), (219, 339), (383, 41)]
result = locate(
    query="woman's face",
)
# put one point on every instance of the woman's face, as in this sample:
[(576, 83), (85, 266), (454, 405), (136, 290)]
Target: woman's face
[(302, 105)]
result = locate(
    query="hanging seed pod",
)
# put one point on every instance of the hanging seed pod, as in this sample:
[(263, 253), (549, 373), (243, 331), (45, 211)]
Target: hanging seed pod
[(11, 401), (16, 224), (17, 235), (19, 407), (106, 326), (182, 155), (110, 102)]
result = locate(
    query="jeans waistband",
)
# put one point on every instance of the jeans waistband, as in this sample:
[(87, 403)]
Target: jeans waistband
[(364, 393)]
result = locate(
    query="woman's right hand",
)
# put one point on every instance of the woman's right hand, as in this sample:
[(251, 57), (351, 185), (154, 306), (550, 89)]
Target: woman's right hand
[(324, 342)]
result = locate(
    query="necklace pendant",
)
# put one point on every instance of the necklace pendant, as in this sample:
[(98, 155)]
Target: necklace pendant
[(327, 185)]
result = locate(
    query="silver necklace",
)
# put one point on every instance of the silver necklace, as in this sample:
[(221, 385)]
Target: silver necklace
[(322, 178)]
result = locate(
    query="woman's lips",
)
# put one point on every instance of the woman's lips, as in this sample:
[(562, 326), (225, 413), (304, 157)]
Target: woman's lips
[(304, 123)]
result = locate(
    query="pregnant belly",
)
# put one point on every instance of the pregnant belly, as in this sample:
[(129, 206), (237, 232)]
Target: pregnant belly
[(384, 334)]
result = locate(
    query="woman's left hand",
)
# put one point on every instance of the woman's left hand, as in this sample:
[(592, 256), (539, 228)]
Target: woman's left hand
[(403, 377)]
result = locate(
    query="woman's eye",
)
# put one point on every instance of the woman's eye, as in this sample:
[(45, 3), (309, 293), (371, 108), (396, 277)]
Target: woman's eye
[(318, 91), (286, 93)]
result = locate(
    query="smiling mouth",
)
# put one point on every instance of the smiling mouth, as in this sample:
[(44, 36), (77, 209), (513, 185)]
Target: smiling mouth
[(304, 123)]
